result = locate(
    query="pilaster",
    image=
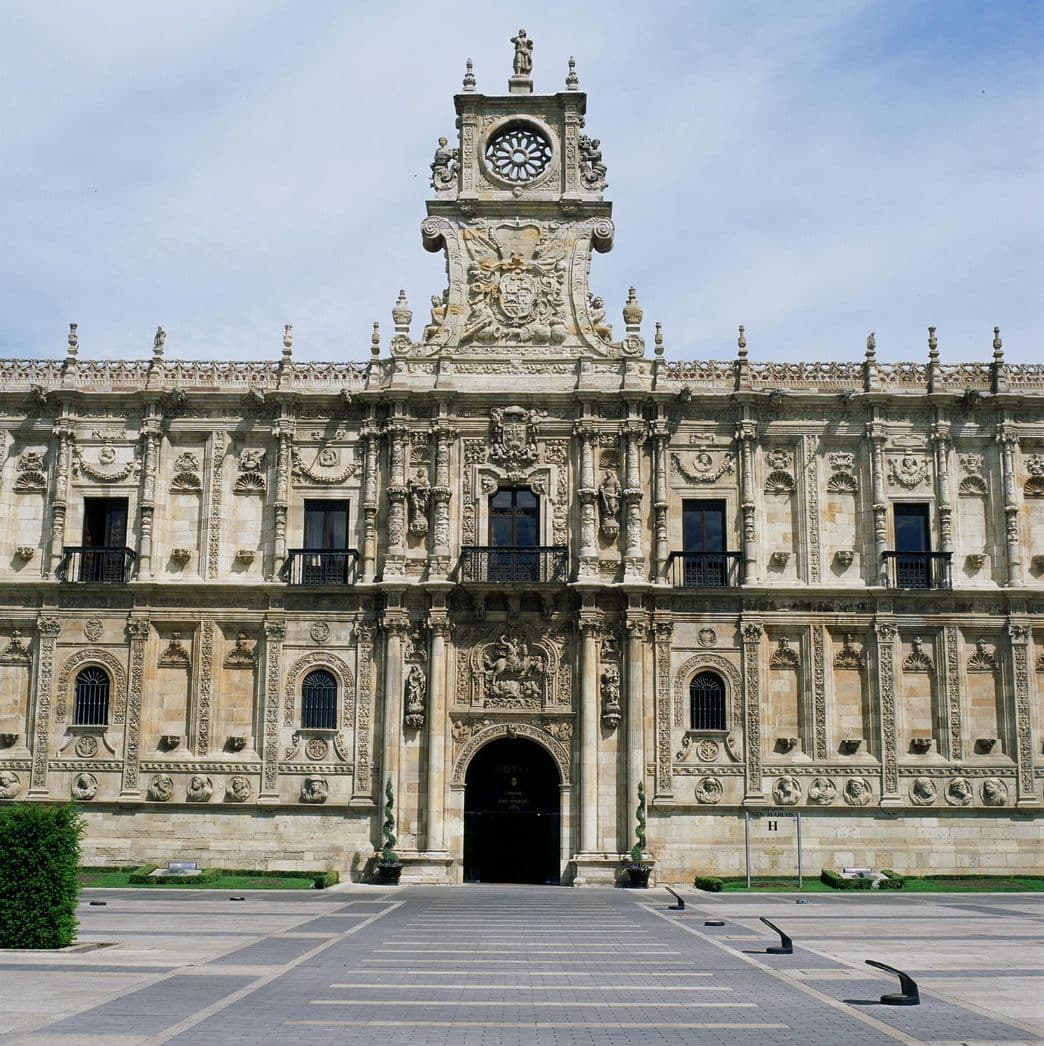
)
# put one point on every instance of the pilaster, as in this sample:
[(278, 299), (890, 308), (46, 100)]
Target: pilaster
[(1019, 636), (138, 630), (275, 633), (752, 635), (886, 633), (49, 628)]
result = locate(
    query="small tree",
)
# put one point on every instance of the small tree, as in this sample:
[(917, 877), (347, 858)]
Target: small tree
[(640, 842), (388, 855), (39, 884)]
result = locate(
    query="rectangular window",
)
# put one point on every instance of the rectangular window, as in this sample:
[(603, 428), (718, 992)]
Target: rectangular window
[(326, 526), (104, 522), (912, 533), (514, 518), (703, 526)]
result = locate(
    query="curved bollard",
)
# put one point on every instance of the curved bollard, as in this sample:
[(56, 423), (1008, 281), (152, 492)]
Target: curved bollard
[(908, 996), (785, 946), (680, 906)]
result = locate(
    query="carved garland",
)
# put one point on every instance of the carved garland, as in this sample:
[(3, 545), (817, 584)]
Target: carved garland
[(334, 664), (80, 465), (559, 752), (716, 663), (82, 658)]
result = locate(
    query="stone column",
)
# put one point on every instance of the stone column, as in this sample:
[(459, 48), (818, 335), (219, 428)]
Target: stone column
[(876, 433), (138, 630), (752, 633), (746, 434), (590, 629), (49, 629), (588, 496), (284, 434), (395, 556), (886, 633), (275, 633), (440, 494), (637, 627), (661, 495), (634, 563), (396, 625), (1008, 439), (369, 506), (150, 438), (1026, 793), (63, 430), (435, 791), (941, 445)]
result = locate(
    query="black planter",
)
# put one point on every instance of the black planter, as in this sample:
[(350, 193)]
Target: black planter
[(638, 878), (389, 873)]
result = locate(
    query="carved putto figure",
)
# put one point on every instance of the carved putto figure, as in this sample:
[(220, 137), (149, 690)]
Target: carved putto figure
[(444, 166), (419, 497), (523, 60), (596, 310), (609, 494), (592, 169), (512, 673), (251, 480), (439, 305), (416, 691)]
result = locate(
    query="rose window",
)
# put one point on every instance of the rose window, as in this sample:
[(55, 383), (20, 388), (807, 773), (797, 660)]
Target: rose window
[(518, 153)]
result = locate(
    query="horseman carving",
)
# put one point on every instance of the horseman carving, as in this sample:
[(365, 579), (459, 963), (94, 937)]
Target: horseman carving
[(513, 674)]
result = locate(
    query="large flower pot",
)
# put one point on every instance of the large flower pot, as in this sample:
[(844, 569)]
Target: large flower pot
[(389, 873), (638, 878)]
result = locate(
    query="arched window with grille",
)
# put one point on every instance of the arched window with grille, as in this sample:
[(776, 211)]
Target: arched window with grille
[(91, 697), (319, 701), (707, 702)]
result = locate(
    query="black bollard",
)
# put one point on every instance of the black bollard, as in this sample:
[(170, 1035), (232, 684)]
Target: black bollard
[(237, 898), (714, 922), (785, 946), (909, 996), (97, 904), (680, 906)]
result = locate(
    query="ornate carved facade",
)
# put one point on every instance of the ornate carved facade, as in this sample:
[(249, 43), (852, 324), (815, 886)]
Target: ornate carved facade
[(267, 588)]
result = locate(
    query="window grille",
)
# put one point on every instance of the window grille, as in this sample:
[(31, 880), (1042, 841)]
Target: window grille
[(91, 704), (707, 702), (319, 701)]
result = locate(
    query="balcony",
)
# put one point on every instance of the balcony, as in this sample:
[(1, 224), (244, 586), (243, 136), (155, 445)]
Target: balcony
[(918, 570), (513, 564), (320, 566), (96, 566), (704, 569)]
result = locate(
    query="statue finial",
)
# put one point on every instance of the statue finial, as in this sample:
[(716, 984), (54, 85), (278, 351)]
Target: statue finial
[(933, 346), (522, 65), (741, 341), (658, 339), (74, 342), (998, 346), (288, 340), (469, 76), (375, 340), (871, 346), (632, 311), (402, 314), (158, 343), (572, 80)]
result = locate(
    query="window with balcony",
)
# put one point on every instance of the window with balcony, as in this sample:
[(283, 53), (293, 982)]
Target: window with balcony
[(705, 561), (325, 558), (103, 556), (913, 564)]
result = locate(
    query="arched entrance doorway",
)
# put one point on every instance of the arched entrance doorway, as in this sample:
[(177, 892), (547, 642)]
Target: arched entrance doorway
[(511, 814)]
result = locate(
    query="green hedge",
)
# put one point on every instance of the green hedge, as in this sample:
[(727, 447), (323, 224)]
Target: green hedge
[(144, 877), (39, 861), (320, 880), (710, 883), (892, 881), (325, 879)]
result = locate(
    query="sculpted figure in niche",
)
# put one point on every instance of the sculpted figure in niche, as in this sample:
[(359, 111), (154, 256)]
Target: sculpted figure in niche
[(162, 788), (444, 166), (596, 310), (10, 784), (822, 790), (923, 791), (419, 497), (511, 671), (523, 61), (610, 681), (439, 305), (787, 791), (200, 789), (609, 504), (858, 791), (592, 169), (416, 690)]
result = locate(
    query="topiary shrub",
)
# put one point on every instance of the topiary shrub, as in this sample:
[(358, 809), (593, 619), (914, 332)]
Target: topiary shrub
[(324, 879), (710, 883), (143, 877), (39, 883), (893, 880), (839, 882)]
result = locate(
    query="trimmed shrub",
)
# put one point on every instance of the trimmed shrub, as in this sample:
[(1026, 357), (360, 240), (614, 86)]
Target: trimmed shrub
[(39, 862), (325, 879), (893, 880), (144, 877), (839, 882), (710, 883)]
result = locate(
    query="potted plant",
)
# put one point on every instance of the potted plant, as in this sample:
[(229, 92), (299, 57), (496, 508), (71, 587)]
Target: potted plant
[(389, 867), (638, 869)]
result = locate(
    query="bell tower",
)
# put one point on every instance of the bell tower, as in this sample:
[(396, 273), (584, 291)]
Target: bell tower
[(518, 209)]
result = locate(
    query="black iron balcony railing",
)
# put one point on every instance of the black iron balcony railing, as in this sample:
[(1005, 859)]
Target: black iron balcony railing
[(320, 566), (514, 563), (704, 569), (920, 570), (99, 566)]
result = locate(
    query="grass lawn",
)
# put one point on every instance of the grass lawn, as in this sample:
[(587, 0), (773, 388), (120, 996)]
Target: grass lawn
[(776, 885), (938, 884), (224, 882)]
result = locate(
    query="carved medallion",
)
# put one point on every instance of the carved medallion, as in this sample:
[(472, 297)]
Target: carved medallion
[(959, 792), (93, 629), (316, 748), (709, 791), (822, 790), (320, 632), (86, 747), (161, 789), (84, 787), (857, 791), (923, 791), (707, 751)]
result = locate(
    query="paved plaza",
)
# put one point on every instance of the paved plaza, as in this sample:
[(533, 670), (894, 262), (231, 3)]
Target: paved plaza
[(499, 965)]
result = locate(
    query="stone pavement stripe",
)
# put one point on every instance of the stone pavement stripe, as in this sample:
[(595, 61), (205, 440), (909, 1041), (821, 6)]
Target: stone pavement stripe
[(253, 986), (708, 1025), (472, 987), (476, 1003), (527, 962), (498, 951)]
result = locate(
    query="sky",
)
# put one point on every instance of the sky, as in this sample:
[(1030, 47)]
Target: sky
[(812, 170)]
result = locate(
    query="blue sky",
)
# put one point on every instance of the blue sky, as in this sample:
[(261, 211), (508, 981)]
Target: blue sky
[(813, 170)]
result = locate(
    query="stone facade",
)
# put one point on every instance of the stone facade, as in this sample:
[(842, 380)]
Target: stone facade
[(895, 702)]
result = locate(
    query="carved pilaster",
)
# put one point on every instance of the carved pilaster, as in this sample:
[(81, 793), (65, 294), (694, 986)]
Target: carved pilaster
[(1026, 794), (660, 502), (876, 434), (819, 711), (752, 633), (637, 626), (63, 431), (218, 447), (941, 443), (205, 689), (50, 629), (283, 431), (363, 713), (810, 479), (663, 630), (1008, 439), (275, 633), (587, 494), (746, 434), (590, 629), (444, 435), (633, 434), (150, 440), (395, 557), (369, 506), (885, 640), (138, 631), (435, 790), (951, 682)]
